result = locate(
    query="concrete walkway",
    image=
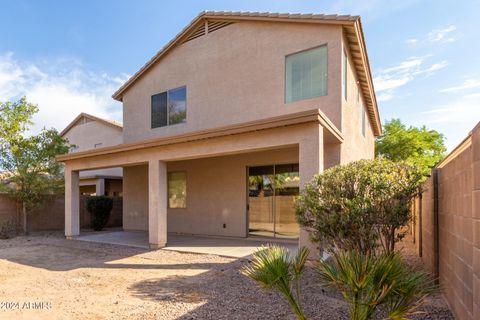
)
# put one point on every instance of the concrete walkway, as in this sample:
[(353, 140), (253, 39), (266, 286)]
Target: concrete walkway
[(229, 247)]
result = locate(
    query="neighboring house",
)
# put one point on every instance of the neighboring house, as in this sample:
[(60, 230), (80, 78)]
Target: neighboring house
[(230, 119), (88, 132)]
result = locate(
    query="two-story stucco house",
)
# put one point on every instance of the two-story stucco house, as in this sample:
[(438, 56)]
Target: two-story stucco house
[(226, 123), (87, 132)]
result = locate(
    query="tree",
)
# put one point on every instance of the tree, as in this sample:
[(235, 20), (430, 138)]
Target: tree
[(359, 206), (28, 163), (421, 147)]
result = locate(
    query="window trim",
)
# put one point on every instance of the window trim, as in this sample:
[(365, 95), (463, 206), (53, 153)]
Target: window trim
[(285, 73), (168, 189), (168, 112)]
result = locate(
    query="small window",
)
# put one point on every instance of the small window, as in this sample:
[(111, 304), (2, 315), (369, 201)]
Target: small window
[(97, 145), (177, 189), (306, 74), (169, 107), (344, 75)]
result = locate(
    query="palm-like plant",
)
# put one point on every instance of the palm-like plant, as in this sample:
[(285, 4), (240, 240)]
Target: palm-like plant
[(367, 282), (274, 267)]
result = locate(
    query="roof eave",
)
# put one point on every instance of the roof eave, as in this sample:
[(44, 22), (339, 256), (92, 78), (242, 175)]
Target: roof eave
[(111, 123)]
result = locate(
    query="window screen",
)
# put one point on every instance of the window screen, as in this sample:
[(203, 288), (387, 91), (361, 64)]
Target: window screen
[(306, 74), (159, 110)]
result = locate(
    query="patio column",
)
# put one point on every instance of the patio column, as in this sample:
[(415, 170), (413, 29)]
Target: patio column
[(100, 187), (310, 163), (157, 204), (72, 203)]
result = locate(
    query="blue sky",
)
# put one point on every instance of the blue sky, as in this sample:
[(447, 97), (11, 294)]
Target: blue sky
[(70, 56)]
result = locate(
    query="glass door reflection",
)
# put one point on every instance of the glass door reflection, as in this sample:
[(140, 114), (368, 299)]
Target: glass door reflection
[(260, 201), (271, 194)]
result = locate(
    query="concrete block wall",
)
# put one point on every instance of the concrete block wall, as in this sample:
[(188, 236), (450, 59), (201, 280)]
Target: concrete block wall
[(458, 214), (51, 216), (475, 221), (427, 227)]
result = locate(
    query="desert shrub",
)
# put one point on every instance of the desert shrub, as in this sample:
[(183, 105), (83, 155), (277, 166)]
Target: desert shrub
[(359, 206), (8, 229), (274, 268), (368, 282), (100, 208)]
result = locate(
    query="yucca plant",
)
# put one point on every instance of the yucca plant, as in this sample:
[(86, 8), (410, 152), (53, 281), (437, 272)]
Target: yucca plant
[(368, 281), (274, 268)]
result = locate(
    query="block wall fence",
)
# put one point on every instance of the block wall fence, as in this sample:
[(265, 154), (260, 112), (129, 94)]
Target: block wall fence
[(51, 215), (447, 226)]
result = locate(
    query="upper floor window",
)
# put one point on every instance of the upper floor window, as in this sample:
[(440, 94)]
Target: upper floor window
[(344, 74), (169, 107), (306, 74)]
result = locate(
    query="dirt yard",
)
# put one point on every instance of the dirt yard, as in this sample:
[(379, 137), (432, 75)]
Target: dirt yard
[(47, 277)]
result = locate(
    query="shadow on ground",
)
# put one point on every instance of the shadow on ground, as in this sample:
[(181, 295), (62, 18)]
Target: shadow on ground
[(211, 287)]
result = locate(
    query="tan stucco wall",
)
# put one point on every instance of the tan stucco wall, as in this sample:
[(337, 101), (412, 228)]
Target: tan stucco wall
[(355, 146), (86, 135), (135, 197), (216, 193), (238, 77)]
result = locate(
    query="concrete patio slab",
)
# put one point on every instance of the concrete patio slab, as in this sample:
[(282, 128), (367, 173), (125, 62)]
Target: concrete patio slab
[(228, 247)]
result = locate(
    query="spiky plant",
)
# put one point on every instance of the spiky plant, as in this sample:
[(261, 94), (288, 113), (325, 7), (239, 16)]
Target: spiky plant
[(367, 282), (274, 268)]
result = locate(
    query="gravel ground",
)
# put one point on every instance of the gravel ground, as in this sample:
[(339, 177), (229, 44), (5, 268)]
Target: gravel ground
[(81, 280)]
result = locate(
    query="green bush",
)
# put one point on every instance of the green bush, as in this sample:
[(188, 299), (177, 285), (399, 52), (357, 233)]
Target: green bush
[(274, 268), (8, 229), (100, 208), (359, 206), (368, 282)]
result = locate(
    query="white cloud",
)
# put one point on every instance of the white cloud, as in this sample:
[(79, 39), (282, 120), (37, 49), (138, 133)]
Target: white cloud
[(389, 79), (387, 82), (455, 119), (442, 35), (431, 70), (62, 89), (468, 84), (384, 97)]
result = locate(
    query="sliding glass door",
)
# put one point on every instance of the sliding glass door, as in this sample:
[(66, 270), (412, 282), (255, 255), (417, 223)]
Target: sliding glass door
[(271, 193)]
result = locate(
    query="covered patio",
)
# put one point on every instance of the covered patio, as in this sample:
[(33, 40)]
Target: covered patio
[(221, 246), (216, 163)]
